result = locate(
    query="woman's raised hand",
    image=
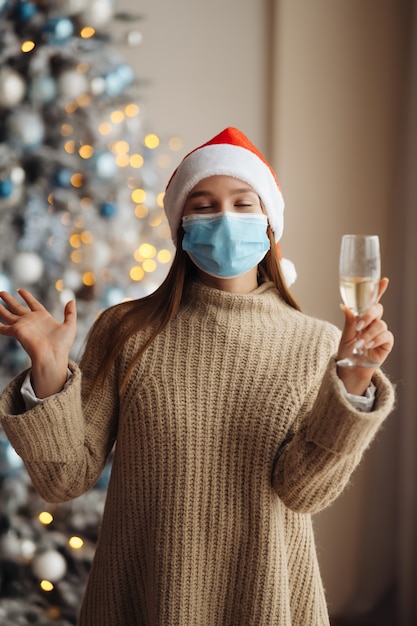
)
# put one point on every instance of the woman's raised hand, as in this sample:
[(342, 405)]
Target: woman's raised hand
[(46, 341)]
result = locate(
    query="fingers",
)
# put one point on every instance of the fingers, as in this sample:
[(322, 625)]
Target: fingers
[(31, 301), (16, 307), (70, 313), (383, 286)]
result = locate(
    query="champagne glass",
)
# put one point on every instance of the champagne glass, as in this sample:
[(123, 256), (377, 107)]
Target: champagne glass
[(359, 276)]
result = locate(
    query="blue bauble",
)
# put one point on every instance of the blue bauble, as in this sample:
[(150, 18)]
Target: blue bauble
[(62, 177), (42, 89), (108, 210), (25, 11), (117, 80), (126, 73), (103, 481), (5, 282), (4, 4), (6, 188), (58, 29), (10, 462)]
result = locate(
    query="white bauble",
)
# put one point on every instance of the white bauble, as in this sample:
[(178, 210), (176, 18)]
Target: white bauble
[(72, 84), (27, 268), (49, 565), (100, 254), (12, 87), (10, 546), (72, 279), (25, 129), (98, 13), (105, 165)]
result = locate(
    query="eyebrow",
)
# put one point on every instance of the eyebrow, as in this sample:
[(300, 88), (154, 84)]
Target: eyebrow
[(200, 194)]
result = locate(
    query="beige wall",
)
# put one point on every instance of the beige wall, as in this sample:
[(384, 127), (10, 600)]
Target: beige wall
[(340, 78), (207, 63), (324, 101)]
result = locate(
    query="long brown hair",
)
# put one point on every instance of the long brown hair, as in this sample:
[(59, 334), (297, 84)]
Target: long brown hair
[(157, 309)]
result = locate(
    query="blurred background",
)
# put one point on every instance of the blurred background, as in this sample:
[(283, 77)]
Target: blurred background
[(328, 92)]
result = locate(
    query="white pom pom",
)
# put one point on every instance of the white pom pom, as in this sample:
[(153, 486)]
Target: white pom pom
[(289, 271)]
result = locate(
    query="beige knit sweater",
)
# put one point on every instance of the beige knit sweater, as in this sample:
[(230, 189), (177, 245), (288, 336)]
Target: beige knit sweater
[(232, 431)]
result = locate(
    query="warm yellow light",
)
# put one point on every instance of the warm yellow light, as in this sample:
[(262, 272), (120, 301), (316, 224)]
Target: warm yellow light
[(88, 279), (175, 143), (76, 256), (122, 160), (136, 273), (132, 110), (121, 147), (164, 161), (69, 146), (147, 250), (149, 265), (85, 203), (45, 518), (75, 543), (105, 128), (84, 100), (66, 130), (156, 221), (27, 46), (136, 161), (160, 199), (75, 240), (86, 237), (71, 107), (164, 231), (46, 585), (77, 180), (87, 32), (141, 211), (59, 285), (151, 141), (86, 152), (117, 117), (138, 196), (82, 68), (164, 256)]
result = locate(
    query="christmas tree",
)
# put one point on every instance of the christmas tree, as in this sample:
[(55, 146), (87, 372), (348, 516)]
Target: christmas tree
[(81, 187)]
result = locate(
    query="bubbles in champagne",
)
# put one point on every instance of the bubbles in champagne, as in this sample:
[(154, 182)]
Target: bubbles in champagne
[(358, 293)]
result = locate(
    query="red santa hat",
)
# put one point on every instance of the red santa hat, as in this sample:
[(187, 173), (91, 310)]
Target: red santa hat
[(230, 153)]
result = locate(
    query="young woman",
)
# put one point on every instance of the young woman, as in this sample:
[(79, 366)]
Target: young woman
[(231, 421)]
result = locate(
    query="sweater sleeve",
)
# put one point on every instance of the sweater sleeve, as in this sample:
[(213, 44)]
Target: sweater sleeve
[(65, 440), (315, 463)]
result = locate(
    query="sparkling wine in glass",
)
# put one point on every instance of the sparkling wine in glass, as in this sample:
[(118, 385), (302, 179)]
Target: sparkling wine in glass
[(359, 276)]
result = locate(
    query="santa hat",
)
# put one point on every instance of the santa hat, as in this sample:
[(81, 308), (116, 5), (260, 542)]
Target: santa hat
[(230, 153)]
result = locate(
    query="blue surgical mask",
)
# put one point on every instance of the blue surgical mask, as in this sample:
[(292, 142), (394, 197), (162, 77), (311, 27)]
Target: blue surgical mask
[(225, 244)]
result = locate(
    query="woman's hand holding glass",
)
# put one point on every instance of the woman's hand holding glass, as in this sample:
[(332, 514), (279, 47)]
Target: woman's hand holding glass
[(368, 331), (46, 341)]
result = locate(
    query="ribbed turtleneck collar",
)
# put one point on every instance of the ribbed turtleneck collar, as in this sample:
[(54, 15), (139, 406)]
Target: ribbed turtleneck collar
[(262, 298)]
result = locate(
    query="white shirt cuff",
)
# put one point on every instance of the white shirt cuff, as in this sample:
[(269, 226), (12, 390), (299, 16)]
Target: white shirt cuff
[(28, 394), (362, 403)]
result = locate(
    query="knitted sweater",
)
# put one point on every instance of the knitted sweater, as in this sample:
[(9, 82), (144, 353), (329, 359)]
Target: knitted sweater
[(233, 429)]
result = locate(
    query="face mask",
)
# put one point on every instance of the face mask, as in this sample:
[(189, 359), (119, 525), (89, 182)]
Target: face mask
[(225, 244)]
